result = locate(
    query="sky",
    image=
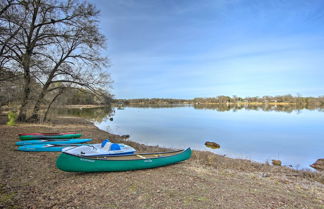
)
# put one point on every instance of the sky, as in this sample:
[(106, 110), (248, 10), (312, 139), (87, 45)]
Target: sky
[(189, 48)]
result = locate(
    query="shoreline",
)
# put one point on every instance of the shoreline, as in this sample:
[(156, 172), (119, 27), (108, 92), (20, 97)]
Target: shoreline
[(215, 103), (207, 180)]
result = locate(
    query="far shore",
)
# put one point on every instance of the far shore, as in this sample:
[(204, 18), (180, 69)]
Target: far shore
[(162, 102), (207, 103), (221, 103), (207, 180), (81, 106)]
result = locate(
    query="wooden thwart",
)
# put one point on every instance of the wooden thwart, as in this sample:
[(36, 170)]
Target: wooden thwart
[(136, 156), (140, 156)]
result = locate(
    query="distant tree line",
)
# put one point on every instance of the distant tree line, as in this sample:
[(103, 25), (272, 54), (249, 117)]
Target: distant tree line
[(298, 102), (49, 49)]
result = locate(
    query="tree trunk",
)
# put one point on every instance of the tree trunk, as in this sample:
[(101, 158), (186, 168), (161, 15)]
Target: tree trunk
[(23, 107), (50, 104), (26, 64), (35, 115)]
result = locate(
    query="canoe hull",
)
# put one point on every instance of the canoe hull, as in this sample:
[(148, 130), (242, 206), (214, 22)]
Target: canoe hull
[(59, 136), (72, 163), (67, 141), (44, 148)]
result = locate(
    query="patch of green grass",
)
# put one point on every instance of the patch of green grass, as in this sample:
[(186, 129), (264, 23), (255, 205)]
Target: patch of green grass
[(111, 205), (189, 200), (132, 188), (202, 199), (7, 199)]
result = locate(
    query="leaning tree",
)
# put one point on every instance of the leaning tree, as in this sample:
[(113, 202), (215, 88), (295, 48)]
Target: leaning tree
[(56, 42)]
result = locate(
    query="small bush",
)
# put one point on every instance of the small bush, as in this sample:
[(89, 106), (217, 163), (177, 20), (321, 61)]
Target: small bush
[(12, 116)]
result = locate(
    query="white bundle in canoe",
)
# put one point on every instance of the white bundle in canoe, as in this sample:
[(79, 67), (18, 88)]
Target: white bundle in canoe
[(105, 148)]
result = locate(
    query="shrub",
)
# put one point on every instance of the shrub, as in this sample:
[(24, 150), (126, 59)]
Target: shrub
[(12, 116)]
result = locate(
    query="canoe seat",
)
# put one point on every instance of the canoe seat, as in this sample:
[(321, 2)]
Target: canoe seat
[(140, 156)]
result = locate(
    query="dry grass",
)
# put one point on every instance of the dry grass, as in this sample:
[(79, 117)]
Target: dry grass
[(241, 165)]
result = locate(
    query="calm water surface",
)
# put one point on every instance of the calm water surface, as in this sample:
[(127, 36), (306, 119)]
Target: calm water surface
[(296, 138)]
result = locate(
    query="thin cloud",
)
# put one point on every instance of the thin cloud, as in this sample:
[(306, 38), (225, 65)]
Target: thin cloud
[(207, 48)]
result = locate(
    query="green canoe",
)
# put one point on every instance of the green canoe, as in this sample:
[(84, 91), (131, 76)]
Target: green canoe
[(31, 136), (73, 163)]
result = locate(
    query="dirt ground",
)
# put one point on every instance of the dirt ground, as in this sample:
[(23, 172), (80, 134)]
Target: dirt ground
[(31, 180)]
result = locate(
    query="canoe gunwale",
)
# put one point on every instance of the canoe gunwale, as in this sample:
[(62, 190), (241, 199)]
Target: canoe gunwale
[(44, 141), (51, 140), (62, 145)]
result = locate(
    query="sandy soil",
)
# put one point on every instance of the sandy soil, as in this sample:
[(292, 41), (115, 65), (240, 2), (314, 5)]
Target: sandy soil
[(31, 180)]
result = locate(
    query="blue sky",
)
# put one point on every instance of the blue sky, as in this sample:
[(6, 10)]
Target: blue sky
[(190, 48)]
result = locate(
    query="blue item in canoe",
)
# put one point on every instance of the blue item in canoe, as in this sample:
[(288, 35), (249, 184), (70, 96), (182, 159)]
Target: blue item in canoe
[(45, 147), (53, 141)]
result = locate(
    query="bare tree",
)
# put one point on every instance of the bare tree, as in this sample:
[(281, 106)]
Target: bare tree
[(57, 42), (5, 4), (8, 31)]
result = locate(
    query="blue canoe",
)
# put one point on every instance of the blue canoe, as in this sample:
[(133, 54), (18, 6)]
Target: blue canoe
[(45, 147), (52, 141)]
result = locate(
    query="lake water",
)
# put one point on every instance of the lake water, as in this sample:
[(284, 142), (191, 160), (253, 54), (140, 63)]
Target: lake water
[(295, 138)]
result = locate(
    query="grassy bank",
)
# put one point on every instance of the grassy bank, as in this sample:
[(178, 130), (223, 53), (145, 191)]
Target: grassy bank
[(30, 180)]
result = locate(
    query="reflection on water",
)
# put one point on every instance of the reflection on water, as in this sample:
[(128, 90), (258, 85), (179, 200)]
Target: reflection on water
[(234, 107), (93, 114), (153, 105), (277, 108), (261, 135)]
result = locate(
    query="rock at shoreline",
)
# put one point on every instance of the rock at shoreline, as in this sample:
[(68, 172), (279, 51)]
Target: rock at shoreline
[(276, 162), (212, 145), (125, 136), (318, 165)]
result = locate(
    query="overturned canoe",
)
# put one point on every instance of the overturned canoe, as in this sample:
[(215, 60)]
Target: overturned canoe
[(45, 147), (52, 141), (29, 136), (75, 163)]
